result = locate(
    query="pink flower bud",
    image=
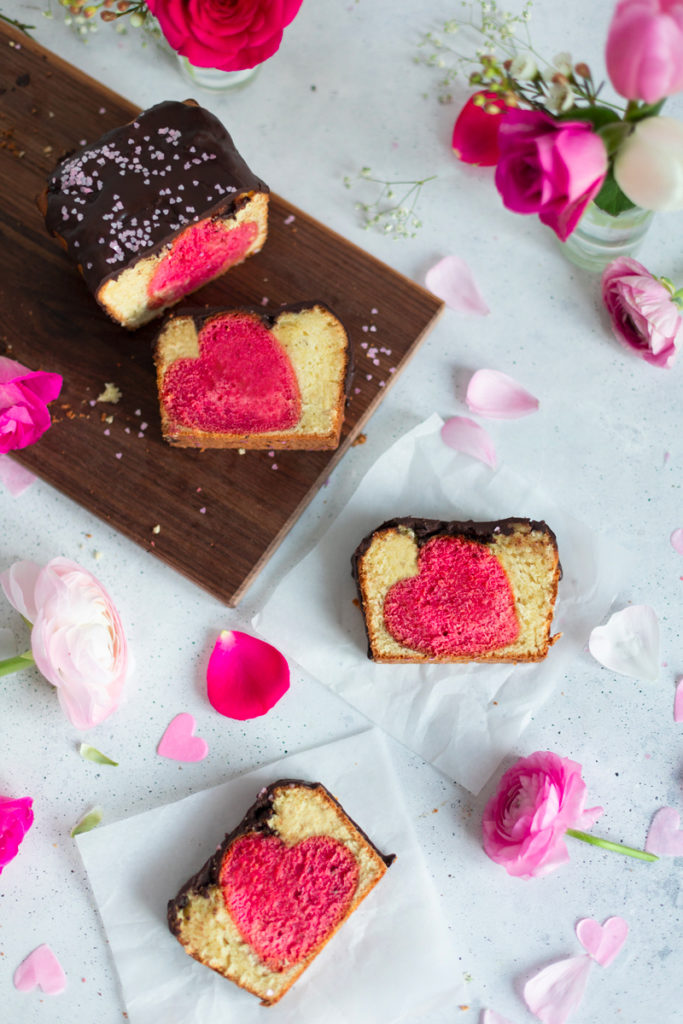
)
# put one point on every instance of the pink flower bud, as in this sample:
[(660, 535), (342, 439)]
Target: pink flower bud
[(643, 313), (24, 395), (644, 53)]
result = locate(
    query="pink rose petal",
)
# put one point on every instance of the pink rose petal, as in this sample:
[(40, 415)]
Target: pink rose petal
[(491, 1017), (15, 477), (178, 742), (42, 968), (468, 437), (492, 393), (678, 701), (629, 642), (602, 941), (451, 280), (554, 993), (677, 540), (246, 676), (665, 838)]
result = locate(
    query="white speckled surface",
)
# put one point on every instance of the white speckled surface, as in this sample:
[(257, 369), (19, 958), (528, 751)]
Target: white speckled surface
[(344, 92)]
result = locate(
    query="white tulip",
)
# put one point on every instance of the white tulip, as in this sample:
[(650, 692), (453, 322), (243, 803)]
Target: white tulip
[(648, 167)]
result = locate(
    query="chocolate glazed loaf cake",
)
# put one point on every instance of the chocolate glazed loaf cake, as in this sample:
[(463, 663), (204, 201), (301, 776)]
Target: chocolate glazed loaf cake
[(155, 209), (243, 378), (277, 889), (434, 591)]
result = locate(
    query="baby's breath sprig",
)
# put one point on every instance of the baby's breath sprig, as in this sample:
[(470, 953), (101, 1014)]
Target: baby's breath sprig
[(85, 15), (389, 214)]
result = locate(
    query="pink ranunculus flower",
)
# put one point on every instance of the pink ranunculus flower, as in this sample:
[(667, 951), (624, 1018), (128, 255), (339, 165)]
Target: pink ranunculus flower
[(475, 132), (16, 818), (222, 33), (24, 395), (538, 799), (644, 52), (642, 310), (552, 168), (77, 639)]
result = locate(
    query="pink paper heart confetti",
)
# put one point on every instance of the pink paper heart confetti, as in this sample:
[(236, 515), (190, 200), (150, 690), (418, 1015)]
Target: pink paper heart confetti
[(468, 437), (629, 642), (665, 838), (178, 742), (494, 394), (245, 676), (41, 968), (451, 280), (555, 992), (602, 941), (678, 701)]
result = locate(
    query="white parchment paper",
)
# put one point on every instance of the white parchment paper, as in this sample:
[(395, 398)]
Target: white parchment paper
[(464, 719), (391, 960)]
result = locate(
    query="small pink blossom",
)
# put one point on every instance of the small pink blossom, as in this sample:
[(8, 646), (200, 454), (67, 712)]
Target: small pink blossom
[(77, 639), (16, 818), (644, 53), (552, 168), (537, 800), (642, 310), (475, 132), (245, 676), (24, 395)]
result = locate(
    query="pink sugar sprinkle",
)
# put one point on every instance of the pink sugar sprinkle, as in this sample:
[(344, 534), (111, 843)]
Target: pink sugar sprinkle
[(368, 376), (288, 220), (107, 432), (364, 327), (138, 412), (92, 402), (199, 490), (372, 327), (374, 311), (119, 455), (203, 510), (264, 300), (143, 426), (356, 391), (274, 466)]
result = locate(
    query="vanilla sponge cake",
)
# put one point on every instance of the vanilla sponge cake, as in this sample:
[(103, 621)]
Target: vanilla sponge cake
[(155, 209), (434, 591), (244, 378), (277, 889)]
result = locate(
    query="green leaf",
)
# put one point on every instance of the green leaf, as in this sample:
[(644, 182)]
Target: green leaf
[(598, 116), (93, 754), (15, 664), (88, 822), (610, 198)]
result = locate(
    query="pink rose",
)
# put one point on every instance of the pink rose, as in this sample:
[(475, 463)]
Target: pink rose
[(644, 53), (24, 395), (552, 168), (222, 33), (475, 133), (77, 640), (538, 799), (16, 818), (642, 310)]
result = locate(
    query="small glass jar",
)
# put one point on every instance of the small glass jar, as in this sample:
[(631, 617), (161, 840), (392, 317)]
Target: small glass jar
[(601, 237), (213, 79)]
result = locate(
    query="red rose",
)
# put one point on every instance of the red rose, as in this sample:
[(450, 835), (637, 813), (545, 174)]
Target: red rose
[(475, 133), (226, 34)]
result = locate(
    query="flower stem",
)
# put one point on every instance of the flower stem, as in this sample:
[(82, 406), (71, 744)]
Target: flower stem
[(15, 664), (628, 851)]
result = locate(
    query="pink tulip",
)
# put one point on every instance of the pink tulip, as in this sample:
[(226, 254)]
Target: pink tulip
[(475, 133), (77, 640), (644, 53), (16, 818), (552, 168), (642, 310), (524, 824), (24, 395)]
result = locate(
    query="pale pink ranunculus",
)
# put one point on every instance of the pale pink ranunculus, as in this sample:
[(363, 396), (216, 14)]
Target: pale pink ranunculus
[(24, 395), (475, 132), (77, 639), (537, 800), (16, 818), (642, 311), (552, 168), (222, 33), (644, 51), (648, 166)]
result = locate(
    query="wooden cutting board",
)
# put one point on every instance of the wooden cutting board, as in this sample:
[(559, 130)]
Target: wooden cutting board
[(215, 516)]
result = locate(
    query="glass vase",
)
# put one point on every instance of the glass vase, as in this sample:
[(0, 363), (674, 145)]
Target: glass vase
[(213, 79), (601, 237)]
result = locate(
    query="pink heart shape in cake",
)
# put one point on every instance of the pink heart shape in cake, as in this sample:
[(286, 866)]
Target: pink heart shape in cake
[(664, 837), (285, 900), (41, 968), (178, 742), (602, 941), (459, 603), (242, 381)]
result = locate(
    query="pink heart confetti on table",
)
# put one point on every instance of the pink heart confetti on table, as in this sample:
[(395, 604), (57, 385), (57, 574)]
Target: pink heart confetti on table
[(178, 742), (495, 394), (41, 968), (678, 701), (602, 941), (665, 837), (466, 436), (452, 280)]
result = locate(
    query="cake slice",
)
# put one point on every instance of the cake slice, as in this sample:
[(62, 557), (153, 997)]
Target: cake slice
[(433, 591), (248, 379), (155, 209), (277, 889)]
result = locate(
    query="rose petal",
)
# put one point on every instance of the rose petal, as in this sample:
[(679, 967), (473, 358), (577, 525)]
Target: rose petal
[(491, 1017), (665, 838), (629, 642), (677, 540), (15, 477), (678, 701), (246, 676), (492, 393), (554, 993), (451, 280), (468, 437)]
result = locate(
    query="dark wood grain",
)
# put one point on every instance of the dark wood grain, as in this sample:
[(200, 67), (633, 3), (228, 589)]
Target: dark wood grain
[(221, 514)]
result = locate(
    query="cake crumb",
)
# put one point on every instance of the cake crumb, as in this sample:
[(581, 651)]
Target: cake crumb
[(361, 439), (156, 529), (97, 555), (110, 394)]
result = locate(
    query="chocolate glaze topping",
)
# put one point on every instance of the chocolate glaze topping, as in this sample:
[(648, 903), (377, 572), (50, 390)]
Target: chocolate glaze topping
[(124, 196), (255, 820)]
